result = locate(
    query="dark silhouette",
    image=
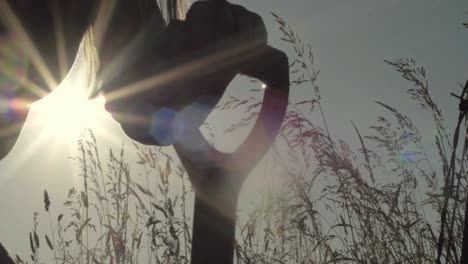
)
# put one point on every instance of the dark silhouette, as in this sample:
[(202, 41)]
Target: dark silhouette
[(197, 59), (4, 257), (193, 62), (38, 19), (56, 27)]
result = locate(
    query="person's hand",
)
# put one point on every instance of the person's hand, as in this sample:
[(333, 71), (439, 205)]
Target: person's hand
[(202, 160), (227, 28)]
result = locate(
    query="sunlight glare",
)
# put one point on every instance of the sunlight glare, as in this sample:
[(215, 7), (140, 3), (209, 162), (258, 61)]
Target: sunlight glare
[(67, 111)]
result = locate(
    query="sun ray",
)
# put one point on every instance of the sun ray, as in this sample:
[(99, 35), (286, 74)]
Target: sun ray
[(21, 159), (130, 118), (60, 41), (127, 53), (26, 154), (22, 80), (230, 56), (114, 67), (103, 17), (10, 19)]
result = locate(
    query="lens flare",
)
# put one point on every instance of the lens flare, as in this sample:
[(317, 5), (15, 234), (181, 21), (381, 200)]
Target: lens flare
[(164, 126), (406, 156), (12, 109), (14, 61)]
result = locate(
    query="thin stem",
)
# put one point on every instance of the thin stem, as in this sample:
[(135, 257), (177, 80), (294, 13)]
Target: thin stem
[(53, 237)]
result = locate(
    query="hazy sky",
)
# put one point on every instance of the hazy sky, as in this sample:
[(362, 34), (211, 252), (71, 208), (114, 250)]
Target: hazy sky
[(350, 40)]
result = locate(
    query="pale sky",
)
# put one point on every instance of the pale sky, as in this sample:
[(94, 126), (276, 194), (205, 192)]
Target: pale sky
[(350, 40)]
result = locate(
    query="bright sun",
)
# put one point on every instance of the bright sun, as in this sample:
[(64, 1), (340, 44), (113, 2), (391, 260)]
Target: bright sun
[(67, 111)]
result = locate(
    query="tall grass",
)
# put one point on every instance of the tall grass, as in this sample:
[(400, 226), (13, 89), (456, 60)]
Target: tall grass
[(380, 201), (113, 219)]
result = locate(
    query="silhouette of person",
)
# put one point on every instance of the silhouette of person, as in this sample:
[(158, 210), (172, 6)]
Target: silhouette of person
[(195, 61), (54, 29), (227, 37), (39, 20), (4, 256)]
